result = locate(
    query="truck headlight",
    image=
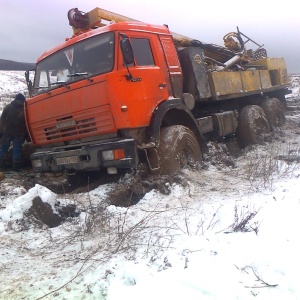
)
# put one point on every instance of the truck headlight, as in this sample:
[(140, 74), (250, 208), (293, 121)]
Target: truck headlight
[(115, 154), (107, 155), (36, 163)]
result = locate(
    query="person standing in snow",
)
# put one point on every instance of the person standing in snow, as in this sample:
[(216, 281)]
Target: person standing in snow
[(13, 129)]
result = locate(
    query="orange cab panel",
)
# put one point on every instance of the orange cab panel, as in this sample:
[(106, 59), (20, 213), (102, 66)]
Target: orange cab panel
[(78, 111), (135, 93)]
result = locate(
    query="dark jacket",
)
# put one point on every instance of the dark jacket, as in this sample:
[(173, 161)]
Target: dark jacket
[(13, 120)]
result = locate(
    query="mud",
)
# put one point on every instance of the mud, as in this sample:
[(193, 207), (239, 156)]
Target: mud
[(133, 185)]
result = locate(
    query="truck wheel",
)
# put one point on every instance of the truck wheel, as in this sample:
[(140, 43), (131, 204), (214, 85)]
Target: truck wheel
[(74, 179), (253, 125), (274, 111), (178, 147)]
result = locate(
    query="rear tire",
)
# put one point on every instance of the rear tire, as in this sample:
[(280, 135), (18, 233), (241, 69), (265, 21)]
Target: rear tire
[(178, 147), (253, 125), (274, 111)]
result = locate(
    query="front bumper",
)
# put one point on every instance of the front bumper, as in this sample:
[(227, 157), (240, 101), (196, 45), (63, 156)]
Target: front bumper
[(86, 157)]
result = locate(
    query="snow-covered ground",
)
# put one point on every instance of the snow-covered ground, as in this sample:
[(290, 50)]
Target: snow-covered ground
[(12, 83), (229, 231)]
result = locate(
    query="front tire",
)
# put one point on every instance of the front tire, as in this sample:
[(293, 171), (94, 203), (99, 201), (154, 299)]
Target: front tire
[(178, 147)]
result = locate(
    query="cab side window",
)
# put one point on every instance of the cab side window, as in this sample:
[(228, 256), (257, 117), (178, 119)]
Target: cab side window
[(142, 52)]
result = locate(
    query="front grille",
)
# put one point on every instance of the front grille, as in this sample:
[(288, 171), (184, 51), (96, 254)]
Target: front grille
[(89, 122), (79, 127)]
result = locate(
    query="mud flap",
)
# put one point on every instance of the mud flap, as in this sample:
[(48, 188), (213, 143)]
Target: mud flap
[(154, 163)]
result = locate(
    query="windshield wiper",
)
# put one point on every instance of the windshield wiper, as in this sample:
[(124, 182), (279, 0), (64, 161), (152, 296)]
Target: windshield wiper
[(58, 82), (43, 89), (83, 74), (78, 74), (61, 83)]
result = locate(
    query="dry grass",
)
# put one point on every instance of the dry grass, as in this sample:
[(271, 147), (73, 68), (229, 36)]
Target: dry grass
[(265, 165)]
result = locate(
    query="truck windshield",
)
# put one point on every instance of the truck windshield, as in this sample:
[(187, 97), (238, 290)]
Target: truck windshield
[(77, 62)]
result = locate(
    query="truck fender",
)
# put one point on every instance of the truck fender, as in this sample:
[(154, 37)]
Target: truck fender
[(173, 112)]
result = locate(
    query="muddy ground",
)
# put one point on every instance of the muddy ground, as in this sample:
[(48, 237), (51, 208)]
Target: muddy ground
[(222, 155)]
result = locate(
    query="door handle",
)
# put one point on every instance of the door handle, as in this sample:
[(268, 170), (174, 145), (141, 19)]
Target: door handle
[(162, 85)]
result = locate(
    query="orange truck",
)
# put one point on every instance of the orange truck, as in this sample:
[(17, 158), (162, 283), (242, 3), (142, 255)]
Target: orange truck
[(120, 91)]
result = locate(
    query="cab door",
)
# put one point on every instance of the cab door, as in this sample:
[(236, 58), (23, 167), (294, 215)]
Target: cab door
[(141, 86)]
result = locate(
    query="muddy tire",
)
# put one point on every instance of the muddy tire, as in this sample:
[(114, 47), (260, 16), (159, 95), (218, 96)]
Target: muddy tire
[(2, 176), (274, 111), (253, 126), (178, 147), (75, 179)]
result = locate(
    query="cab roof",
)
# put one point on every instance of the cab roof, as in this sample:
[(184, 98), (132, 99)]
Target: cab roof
[(122, 26)]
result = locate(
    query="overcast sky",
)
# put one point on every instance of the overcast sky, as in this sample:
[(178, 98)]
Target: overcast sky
[(30, 27)]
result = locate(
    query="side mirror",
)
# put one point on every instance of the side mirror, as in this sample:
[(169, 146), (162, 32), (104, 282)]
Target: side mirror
[(29, 74), (127, 51)]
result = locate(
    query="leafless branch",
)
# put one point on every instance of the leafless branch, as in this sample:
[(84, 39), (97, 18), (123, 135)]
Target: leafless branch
[(259, 279)]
